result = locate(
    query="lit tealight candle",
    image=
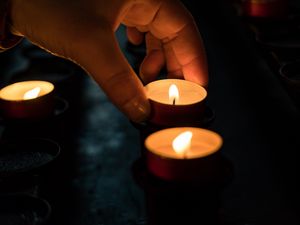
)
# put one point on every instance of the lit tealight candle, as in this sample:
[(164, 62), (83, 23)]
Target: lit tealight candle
[(27, 100), (175, 102), (183, 153)]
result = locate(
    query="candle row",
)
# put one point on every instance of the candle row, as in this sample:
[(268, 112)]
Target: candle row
[(176, 153), (173, 101)]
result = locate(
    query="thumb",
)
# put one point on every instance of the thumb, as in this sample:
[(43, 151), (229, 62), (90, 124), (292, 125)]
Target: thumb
[(102, 58)]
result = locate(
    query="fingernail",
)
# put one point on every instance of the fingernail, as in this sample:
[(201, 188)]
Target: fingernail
[(137, 109)]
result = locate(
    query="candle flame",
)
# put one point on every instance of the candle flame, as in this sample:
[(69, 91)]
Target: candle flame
[(182, 143), (173, 94), (33, 93)]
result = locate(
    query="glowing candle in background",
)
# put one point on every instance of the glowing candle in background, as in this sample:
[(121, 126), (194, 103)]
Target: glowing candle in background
[(27, 100), (266, 9)]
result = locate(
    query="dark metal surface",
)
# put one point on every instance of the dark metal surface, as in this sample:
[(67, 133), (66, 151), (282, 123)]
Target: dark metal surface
[(98, 178)]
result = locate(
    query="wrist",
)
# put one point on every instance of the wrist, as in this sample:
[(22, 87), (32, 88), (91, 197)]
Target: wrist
[(7, 38)]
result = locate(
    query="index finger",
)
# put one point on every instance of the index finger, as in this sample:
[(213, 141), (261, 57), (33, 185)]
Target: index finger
[(176, 27), (101, 56)]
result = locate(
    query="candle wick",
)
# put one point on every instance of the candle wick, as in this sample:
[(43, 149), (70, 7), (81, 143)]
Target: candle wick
[(185, 154), (174, 101)]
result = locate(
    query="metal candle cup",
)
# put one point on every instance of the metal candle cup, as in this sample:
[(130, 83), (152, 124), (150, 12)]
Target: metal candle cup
[(27, 100), (199, 161), (290, 75), (167, 111), (265, 8)]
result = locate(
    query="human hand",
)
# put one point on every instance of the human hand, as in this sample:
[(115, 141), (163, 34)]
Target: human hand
[(83, 31)]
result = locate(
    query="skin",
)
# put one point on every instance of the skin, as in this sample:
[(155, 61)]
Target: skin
[(83, 32)]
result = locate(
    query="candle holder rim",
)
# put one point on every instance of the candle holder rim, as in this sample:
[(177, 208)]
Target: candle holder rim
[(64, 103), (52, 87), (175, 80), (31, 199), (178, 105), (166, 156), (15, 142), (58, 111), (284, 67)]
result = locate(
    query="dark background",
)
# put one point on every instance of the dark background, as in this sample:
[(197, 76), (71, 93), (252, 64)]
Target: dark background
[(97, 180)]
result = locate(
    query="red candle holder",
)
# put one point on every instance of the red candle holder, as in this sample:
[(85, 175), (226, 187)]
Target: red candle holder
[(265, 8), (21, 158), (187, 107), (27, 100), (201, 160)]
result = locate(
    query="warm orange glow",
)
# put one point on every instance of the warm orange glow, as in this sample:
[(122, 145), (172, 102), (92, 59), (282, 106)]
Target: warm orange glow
[(202, 143), (190, 92), (33, 93), (173, 94), (182, 143)]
